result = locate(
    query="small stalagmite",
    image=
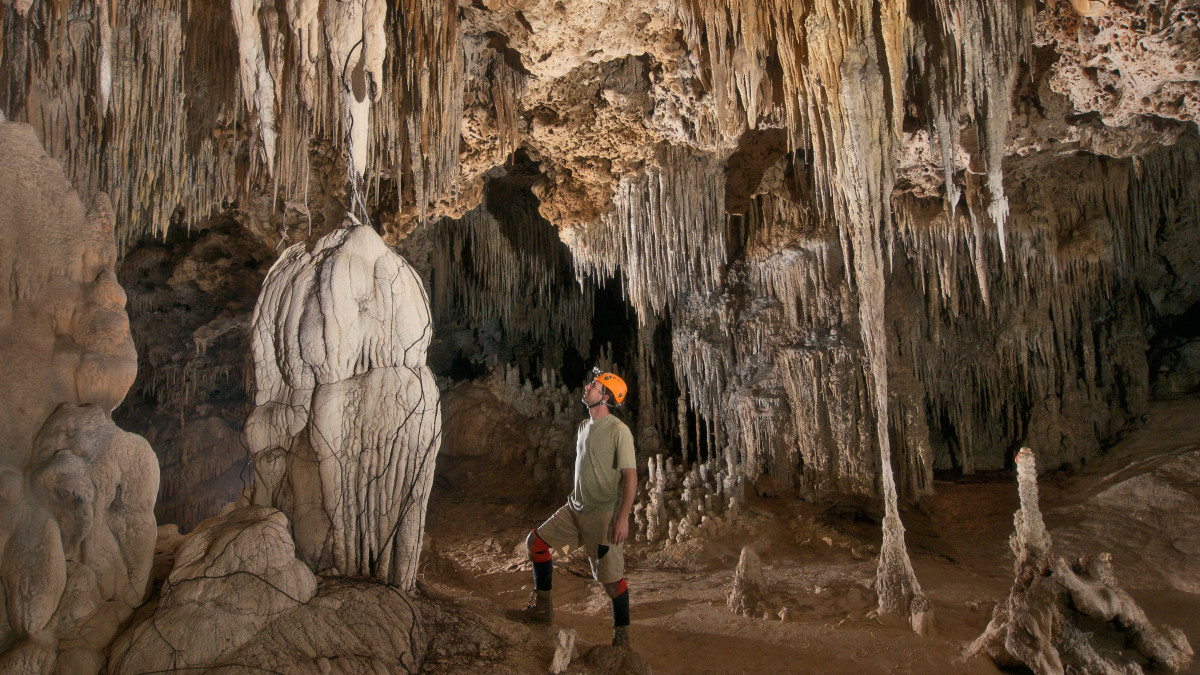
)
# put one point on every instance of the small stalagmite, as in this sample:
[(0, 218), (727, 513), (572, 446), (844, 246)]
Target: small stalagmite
[(748, 593)]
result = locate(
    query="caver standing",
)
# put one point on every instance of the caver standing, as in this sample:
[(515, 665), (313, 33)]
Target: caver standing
[(596, 515)]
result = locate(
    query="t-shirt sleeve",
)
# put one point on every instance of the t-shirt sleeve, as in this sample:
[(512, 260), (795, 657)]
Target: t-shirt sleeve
[(624, 457)]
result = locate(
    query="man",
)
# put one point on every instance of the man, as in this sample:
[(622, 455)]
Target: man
[(596, 515)]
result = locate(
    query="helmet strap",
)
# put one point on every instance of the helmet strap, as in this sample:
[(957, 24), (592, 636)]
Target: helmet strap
[(593, 405)]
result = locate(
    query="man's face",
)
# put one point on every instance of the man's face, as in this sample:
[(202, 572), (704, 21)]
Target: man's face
[(593, 392)]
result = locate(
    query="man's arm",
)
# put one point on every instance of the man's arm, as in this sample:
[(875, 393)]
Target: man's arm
[(618, 532)]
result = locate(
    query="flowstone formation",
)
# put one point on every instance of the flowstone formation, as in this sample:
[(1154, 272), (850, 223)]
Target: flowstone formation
[(347, 422), (238, 598), (1042, 625), (232, 576), (77, 526)]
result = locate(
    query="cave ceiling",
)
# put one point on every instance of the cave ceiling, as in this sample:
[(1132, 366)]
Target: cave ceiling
[(183, 109)]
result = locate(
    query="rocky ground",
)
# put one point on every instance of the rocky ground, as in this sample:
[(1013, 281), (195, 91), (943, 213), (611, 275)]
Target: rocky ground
[(1138, 501)]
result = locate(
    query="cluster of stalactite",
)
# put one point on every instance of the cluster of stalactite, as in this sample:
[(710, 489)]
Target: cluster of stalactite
[(659, 233), (1047, 347), (502, 269), (835, 335), (108, 101), (177, 111)]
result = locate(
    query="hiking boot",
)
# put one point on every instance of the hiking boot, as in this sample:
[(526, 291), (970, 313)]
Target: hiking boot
[(539, 609), (621, 637)]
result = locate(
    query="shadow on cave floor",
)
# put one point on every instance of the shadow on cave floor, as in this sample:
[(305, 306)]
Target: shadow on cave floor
[(819, 569)]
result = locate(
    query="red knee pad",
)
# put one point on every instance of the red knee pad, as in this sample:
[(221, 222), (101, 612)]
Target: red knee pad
[(622, 586), (539, 550)]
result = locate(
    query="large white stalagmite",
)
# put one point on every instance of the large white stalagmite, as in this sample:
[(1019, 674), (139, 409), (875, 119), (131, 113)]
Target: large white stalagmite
[(347, 421)]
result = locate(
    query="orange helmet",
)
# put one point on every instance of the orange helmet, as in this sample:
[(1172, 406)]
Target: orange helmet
[(615, 385)]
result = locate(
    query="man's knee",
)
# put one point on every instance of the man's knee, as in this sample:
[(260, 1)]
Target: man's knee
[(539, 550), (616, 588)]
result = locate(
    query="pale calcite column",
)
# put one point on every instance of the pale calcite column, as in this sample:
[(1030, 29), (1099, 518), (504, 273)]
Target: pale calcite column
[(347, 422)]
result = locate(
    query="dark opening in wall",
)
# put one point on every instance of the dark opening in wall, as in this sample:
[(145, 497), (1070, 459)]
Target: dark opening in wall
[(505, 295), (504, 291), (190, 300)]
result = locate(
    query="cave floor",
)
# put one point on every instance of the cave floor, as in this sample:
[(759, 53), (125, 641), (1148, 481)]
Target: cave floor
[(818, 562)]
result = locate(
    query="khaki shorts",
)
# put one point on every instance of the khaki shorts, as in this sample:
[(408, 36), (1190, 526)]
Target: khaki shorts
[(569, 529)]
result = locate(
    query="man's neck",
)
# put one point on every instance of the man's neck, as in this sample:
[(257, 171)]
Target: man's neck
[(599, 412)]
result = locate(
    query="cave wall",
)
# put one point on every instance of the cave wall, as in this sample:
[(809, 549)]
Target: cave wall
[(190, 300)]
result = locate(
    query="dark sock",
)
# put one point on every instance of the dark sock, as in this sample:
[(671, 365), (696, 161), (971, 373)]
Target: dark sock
[(620, 607), (542, 575)]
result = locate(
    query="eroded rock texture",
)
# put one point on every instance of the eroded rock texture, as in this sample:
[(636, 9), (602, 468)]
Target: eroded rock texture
[(347, 422), (237, 576), (1145, 511), (1040, 624), (77, 494)]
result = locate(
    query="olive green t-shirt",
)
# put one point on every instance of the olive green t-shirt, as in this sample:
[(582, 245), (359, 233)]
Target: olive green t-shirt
[(602, 448)]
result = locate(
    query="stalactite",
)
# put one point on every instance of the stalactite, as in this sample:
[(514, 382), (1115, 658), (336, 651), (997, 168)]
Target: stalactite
[(1076, 257), (344, 27), (104, 73), (665, 233), (399, 113), (258, 86), (509, 269), (306, 31), (973, 51), (426, 102)]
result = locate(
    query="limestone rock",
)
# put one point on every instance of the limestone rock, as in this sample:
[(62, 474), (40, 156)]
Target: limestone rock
[(1147, 515), (606, 660), (1038, 625), (348, 626), (564, 650), (77, 494), (347, 422), (238, 598), (231, 577), (478, 423), (1123, 61), (65, 334)]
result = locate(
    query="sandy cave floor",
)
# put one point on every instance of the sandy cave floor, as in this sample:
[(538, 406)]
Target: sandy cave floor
[(819, 565)]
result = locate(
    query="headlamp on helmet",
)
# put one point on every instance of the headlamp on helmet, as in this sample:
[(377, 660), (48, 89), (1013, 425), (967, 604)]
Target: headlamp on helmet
[(615, 385)]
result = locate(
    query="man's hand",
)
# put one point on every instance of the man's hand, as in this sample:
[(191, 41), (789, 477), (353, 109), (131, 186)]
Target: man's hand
[(618, 530)]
